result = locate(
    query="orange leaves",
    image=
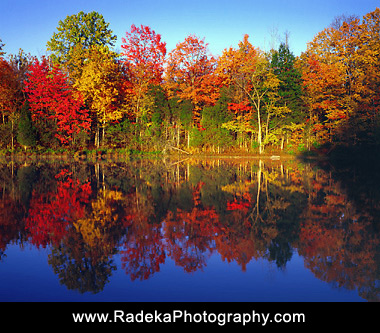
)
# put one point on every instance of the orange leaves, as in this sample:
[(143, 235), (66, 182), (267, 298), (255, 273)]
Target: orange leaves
[(339, 76), (190, 73), (236, 65), (9, 88)]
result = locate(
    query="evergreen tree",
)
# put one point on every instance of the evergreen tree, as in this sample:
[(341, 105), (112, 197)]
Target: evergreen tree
[(213, 118), (290, 89), (26, 132)]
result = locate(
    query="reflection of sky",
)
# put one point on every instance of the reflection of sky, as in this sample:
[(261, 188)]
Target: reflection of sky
[(25, 275)]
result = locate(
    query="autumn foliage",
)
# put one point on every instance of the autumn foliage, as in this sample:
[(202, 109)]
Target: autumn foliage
[(52, 100), (339, 69), (149, 98)]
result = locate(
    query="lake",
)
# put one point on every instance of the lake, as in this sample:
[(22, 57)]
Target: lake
[(227, 229)]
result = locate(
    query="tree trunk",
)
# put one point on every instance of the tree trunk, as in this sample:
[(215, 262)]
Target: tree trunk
[(12, 136), (97, 137), (259, 131)]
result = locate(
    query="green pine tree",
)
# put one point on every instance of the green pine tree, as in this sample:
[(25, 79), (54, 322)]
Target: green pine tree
[(26, 135), (290, 89)]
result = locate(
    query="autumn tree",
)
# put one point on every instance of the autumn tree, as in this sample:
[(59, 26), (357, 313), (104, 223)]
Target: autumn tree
[(84, 29), (144, 55), (322, 83), (339, 74), (190, 75), (20, 63), (56, 109), (10, 97), (102, 85), (369, 60), (248, 68)]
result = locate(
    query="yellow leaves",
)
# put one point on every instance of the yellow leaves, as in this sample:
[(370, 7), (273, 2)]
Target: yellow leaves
[(100, 84), (240, 124), (237, 188), (103, 217)]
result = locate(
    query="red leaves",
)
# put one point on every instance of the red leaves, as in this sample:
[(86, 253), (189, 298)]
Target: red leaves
[(50, 214), (239, 108), (144, 53), (51, 98), (144, 56), (235, 205)]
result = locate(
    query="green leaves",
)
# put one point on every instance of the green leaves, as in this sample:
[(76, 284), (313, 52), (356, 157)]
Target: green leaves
[(27, 134), (85, 29)]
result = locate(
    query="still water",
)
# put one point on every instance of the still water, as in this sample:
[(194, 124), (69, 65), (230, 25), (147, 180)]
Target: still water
[(187, 230)]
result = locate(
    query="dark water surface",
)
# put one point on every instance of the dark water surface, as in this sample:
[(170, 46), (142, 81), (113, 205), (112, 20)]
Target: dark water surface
[(188, 230)]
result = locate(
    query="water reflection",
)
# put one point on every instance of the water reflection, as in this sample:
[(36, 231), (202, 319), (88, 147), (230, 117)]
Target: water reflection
[(147, 211)]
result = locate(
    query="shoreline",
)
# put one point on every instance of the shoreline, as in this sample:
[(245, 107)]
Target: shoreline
[(123, 156)]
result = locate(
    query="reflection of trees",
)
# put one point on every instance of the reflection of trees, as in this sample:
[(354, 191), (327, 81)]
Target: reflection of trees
[(10, 222), (263, 216), (148, 211), (143, 252), (339, 245), (52, 213), (100, 226), (190, 234), (81, 227), (80, 273), (13, 203)]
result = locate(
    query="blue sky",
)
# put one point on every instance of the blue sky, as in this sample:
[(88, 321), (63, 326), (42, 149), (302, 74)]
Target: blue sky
[(29, 24)]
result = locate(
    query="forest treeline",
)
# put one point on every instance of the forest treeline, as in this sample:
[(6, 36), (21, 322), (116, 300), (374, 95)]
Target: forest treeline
[(84, 95)]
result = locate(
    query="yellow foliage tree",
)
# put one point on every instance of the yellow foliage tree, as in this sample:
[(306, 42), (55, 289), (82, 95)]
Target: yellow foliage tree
[(102, 84), (248, 68)]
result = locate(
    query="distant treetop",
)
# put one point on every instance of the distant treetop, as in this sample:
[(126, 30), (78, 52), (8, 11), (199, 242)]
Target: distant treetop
[(85, 29)]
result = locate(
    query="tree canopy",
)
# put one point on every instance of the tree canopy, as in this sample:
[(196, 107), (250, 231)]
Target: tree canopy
[(84, 29)]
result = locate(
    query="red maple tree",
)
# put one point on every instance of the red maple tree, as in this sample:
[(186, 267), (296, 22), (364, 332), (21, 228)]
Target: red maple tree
[(52, 98)]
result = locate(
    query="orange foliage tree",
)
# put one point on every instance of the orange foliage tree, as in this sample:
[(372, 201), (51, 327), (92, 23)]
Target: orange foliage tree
[(10, 95), (190, 74), (341, 83)]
